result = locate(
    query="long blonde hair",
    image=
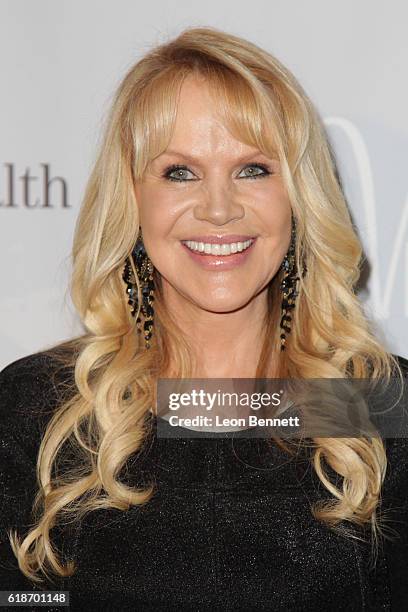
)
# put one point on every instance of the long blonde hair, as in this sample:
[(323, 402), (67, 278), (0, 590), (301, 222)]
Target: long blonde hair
[(115, 377)]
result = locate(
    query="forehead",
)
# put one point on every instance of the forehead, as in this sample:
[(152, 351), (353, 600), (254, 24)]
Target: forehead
[(197, 112), (199, 128)]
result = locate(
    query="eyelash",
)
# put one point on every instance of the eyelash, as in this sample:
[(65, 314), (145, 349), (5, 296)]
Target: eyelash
[(174, 167)]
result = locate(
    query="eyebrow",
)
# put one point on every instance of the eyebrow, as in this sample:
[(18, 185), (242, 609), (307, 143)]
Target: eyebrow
[(193, 158)]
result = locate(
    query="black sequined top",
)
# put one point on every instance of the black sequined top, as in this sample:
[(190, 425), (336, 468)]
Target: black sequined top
[(229, 526)]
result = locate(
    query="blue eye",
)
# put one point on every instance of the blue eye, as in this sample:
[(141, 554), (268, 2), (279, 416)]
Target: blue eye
[(182, 171), (265, 171)]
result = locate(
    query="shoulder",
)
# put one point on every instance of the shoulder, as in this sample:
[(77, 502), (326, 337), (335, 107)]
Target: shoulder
[(396, 479), (403, 363), (30, 390), (34, 377), (23, 376)]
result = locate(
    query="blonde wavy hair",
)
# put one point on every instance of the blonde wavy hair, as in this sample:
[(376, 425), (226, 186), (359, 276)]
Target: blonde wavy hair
[(114, 387)]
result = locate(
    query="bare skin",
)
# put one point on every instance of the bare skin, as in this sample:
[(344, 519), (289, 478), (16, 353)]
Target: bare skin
[(221, 311)]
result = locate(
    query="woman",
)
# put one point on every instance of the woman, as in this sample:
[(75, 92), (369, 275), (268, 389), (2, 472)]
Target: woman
[(215, 197)]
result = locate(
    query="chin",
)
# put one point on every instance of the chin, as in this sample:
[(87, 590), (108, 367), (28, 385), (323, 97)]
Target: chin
[(222, 305)]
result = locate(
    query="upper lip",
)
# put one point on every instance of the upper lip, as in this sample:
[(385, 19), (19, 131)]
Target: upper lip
[(220, 239)]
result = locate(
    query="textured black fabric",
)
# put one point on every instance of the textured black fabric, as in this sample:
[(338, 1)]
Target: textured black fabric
[(229, 527)]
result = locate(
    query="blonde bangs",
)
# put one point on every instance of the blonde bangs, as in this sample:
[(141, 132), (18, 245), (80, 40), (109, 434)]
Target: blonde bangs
[(259, 113)]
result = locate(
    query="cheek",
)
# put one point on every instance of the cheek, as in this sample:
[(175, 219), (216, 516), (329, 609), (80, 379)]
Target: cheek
[(275, 211), (275, 216), (157, 220), (158, 210)]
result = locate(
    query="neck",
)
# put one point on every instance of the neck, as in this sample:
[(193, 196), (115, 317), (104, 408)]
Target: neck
[(226, 345)]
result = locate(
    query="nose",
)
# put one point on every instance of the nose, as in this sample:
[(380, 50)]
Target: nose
[(218, 204)]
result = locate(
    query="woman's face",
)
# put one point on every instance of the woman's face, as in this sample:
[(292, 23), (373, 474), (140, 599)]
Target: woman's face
[(221, 192)]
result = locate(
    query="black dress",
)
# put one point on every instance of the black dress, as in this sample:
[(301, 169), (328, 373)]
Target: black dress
[(229, 527)]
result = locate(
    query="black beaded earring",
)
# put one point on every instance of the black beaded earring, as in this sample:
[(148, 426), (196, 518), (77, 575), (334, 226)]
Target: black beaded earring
[(144, 269), (288, 286)]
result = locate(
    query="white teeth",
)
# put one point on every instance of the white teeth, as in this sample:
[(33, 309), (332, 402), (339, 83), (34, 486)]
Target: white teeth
[(218, 249)]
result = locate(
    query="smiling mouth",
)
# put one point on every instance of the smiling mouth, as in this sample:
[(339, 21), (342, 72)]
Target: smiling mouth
[(223, 250)]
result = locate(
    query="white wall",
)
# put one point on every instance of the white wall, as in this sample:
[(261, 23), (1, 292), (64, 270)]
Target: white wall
[(60, 62)]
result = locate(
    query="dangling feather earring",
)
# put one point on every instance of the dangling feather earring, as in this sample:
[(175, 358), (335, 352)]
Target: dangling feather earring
[(289, 286), (144, 269)]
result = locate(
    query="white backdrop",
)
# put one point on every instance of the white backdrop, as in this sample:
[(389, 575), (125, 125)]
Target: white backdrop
[(60, 62)]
